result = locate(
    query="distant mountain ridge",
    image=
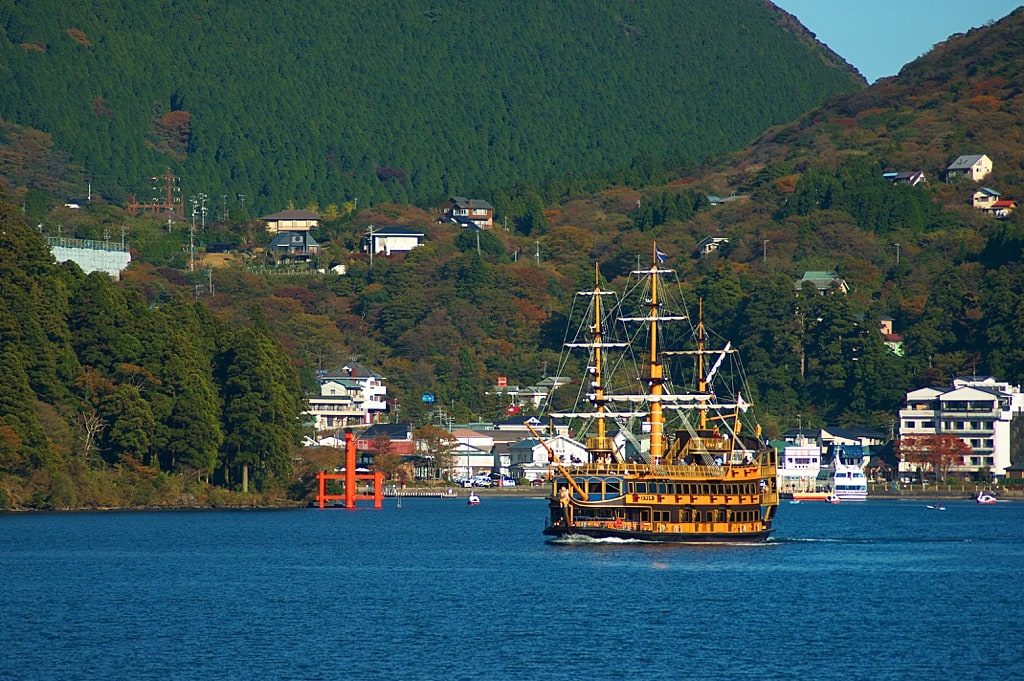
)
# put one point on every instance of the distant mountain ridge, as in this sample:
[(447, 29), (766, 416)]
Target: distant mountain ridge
[(403, 102)]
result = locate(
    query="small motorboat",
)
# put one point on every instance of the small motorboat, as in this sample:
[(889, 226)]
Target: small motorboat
[(985, 498), (832, 499), (474, 499), (940, 507)]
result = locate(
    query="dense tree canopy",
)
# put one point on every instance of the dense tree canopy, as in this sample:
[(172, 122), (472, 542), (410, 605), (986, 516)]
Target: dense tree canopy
[(172, 373), (402, 102)]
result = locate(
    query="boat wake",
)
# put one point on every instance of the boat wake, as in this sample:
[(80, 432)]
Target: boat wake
[(872, 540), (582, 539)]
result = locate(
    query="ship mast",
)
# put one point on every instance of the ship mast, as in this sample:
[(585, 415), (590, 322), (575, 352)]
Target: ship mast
[(599, 444), (702, 383), (655, 365), (596, 380)]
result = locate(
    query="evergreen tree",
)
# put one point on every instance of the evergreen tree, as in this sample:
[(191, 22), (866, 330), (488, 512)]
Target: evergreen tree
[(262, 405)]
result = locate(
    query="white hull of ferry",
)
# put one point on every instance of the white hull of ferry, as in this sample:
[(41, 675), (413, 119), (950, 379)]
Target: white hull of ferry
[(849, 483)]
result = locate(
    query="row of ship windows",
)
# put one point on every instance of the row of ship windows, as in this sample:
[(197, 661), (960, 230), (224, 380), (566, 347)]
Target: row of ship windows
[(714, 515), (702, 488), (613, 488)]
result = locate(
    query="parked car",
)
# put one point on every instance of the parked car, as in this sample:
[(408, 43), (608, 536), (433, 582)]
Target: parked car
[(482, 481), (508, 482)]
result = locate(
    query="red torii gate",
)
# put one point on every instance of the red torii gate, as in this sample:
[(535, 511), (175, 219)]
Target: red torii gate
[(350, 476)]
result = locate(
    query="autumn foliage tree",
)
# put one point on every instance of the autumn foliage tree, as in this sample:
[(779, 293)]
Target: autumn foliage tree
[(439, 444), (938, 453), (385, 459)]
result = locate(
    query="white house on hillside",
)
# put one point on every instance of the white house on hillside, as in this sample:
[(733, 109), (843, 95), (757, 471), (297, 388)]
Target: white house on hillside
[(388, 240), (974, 167), (349, 396)]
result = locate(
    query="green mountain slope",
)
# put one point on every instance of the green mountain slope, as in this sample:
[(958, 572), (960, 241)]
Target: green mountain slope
[(159, 353), (409, 101)]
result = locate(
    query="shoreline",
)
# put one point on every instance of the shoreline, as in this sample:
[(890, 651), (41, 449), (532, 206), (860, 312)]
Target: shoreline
[(521, 492)]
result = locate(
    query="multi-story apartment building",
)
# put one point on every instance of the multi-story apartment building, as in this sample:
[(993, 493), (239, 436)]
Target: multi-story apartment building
[(987, 414), (349, 396)]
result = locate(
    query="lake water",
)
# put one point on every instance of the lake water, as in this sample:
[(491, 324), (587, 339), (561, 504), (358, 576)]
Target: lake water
[(436, 589)]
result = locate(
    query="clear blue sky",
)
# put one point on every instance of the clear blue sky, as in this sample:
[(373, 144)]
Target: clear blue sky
[(879, 36)]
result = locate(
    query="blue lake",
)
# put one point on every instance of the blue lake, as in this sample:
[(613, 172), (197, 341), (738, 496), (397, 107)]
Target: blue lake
[(436, 589)]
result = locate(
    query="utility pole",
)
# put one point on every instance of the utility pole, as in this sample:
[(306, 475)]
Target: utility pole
[(764, 252), (369, 231), (897, 254), (537, 245), (224, 208), (202, 208)]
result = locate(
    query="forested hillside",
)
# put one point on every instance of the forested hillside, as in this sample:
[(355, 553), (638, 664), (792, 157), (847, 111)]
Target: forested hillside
[(403, 102), (106, 375), (106, 399)]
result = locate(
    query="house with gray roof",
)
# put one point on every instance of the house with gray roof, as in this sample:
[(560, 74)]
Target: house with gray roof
[(293, 247), (710, 244), (974, 167)]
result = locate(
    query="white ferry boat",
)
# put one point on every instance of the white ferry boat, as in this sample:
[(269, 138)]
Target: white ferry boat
[(848, 480)]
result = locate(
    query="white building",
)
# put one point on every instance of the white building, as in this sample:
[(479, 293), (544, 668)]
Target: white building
[(388, 240), (528, 458), (982, 411), (798, 468), (349, 396), (710, 244), (472, 453)]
